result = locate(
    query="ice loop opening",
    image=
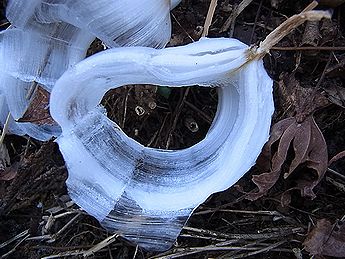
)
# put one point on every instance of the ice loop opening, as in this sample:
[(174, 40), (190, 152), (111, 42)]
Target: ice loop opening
[(147, 194), (162, 117)]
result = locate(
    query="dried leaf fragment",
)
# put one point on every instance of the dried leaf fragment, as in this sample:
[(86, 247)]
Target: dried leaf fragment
[(9, 173), (310, 152), (299, 135), (326, 239), (38, 110), (336, 95), (303, 101)]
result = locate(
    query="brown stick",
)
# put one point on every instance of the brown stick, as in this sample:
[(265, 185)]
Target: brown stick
[(209, 17)]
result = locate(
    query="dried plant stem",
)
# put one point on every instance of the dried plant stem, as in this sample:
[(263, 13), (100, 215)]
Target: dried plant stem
[(231, 20), (307, 48), (193, 250), (15, 247), (286, 27), (201, 114), (64, 254), (274, 234), (177, 113), (55, 236), (20, 235), (311, 6), (209, 17), (101, 245), (336, 173), (259, 251), (260, 212), (180, 25), (5, 129)]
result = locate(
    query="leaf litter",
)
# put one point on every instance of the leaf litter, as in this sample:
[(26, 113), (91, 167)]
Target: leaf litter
[(326, 239), (38, 110), (295, 142)]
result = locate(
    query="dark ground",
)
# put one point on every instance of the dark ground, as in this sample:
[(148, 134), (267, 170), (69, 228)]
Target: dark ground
[(35, 201)]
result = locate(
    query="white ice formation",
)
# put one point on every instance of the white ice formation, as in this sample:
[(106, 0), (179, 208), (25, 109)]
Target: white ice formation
[(49, 36), (147, 194), (144, 194)]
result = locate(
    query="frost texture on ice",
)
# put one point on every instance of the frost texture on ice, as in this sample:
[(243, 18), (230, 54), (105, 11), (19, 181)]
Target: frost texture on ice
[(49, 36), (115, 22), (31, 58), (147, 194)]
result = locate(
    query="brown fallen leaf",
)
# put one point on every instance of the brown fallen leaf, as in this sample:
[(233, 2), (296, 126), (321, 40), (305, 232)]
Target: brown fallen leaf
[(299, 102), (309, 148), (299, 134), (38, 110), (326, 239), (9, 172), (336, 95)]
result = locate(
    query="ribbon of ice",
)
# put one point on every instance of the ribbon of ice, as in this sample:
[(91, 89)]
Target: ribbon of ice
[(147, 194), (49, 36)]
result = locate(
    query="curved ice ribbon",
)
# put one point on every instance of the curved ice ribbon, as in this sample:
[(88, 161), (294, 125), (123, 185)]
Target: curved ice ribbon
[(34, 58), (115, 22), (147, 194), (51, 36)]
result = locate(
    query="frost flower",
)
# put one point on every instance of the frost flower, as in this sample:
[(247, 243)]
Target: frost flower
[(147, 194)]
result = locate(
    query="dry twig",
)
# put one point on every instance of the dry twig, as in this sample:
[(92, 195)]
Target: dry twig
[(234, 14), (209, 17)]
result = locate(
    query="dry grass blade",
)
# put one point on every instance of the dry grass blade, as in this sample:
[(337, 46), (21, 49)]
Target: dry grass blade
[(4, 156), (20, 235), (178, 253), (15, 247), (259, 251), (209, 17), (101, 245), (259, 212), (5, 129), (308, 48), (282, 232), (335, 173), (311, 6), (236, 12), (64, 254)]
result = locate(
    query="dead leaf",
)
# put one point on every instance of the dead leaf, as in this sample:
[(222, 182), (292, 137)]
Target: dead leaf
[(310, 152), (326, 239), (300, 134), (311, 36), (38, 110), (336, 95), (303, 101), (9, 173)]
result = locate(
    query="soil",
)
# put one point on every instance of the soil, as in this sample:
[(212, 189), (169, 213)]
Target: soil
[(178, 118)]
